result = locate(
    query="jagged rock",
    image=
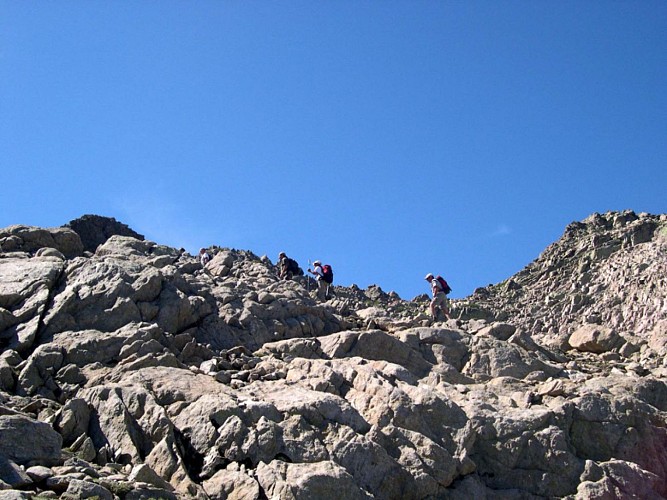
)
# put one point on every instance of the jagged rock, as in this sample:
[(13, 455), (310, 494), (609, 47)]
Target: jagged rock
[(25, 289), (39, 473), (316, 480), (143, 473), (622, 479), (551, 388), (31, 239), (491, 358), (84, 448), (570, 280), (147, 493), (165, 379), (14, 495), (221, 264), (301, 348), (594, 338), (7, 376), (232, 484), (125, 417), (50, 252), (500, 331), (13, 475), (40, 370), (86, 489), (374, 345), (94, 230), (24, 441)]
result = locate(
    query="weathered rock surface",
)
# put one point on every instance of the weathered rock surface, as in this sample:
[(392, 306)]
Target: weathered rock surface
[(94, 230), (129, 371)]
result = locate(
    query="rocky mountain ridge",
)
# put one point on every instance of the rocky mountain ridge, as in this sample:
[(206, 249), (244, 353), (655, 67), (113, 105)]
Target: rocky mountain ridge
[(607, 273), (129, 371)]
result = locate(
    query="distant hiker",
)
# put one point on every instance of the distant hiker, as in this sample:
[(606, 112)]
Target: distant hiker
[(287, 267), (439, 289), (324, 276), (204, 256)]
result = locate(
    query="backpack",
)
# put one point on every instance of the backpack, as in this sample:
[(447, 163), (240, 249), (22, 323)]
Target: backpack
[(293, 267), (327, 273), (445, 287)]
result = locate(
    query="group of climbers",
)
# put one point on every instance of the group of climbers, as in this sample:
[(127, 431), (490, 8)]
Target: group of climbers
[(324, 276), (288, 268)]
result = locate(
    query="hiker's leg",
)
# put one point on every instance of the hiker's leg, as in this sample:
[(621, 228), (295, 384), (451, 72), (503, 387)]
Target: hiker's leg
[(432, 306), (445, 308), (439, 305), (322, 290)]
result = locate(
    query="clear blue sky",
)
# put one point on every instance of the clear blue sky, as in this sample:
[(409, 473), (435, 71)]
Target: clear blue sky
[(388, 139)]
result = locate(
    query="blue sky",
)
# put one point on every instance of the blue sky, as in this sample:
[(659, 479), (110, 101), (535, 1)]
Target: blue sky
[(389, 139)]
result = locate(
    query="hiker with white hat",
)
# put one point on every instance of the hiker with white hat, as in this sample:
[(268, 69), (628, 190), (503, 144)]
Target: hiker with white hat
[(324, 277)]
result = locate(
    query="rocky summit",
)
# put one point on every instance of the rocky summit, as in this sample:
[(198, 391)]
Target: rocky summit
[(128, 370)]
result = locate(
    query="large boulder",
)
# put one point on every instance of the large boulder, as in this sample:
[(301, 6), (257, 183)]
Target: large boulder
[(491, 358), (303, 481), (232, 483), (94, 230), (12, 474), (27, 441), (595, 338), (30, 239), (128, 280), (26, 286), (375, 345)]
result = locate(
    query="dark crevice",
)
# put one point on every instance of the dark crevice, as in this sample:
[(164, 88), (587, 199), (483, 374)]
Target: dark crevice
[(283, 458), (59, 285), (192, 459)]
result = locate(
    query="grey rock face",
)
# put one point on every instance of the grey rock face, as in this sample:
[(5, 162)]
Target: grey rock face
[(94, 230), (13, 475), (26, 441), (607, 270), (30, 239), (129, 371), (25, 288)]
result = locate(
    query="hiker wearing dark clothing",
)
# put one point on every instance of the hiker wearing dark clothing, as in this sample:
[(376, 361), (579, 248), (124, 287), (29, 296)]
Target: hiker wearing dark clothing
[(204, 257), (439, 289), (324, 277), (287, 267)]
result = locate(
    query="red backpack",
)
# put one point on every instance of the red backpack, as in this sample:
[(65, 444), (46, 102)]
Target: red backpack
[(445, 287), (327, 273)]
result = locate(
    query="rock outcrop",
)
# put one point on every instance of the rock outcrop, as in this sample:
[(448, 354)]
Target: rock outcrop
[(95, 230), (129, 371)]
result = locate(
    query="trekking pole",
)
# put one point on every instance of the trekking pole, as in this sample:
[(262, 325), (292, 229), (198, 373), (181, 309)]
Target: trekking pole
[(308, 278)]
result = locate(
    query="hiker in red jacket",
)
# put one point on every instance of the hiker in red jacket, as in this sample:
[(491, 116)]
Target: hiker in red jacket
[(439, 301)]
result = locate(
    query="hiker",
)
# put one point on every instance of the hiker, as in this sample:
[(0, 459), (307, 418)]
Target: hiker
[(324, 277), (287, 267), (204, 257), (440, 289)]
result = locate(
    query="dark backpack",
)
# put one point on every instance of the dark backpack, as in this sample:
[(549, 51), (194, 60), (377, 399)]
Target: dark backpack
[(445, 287), (327, 273), (293, 267)]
